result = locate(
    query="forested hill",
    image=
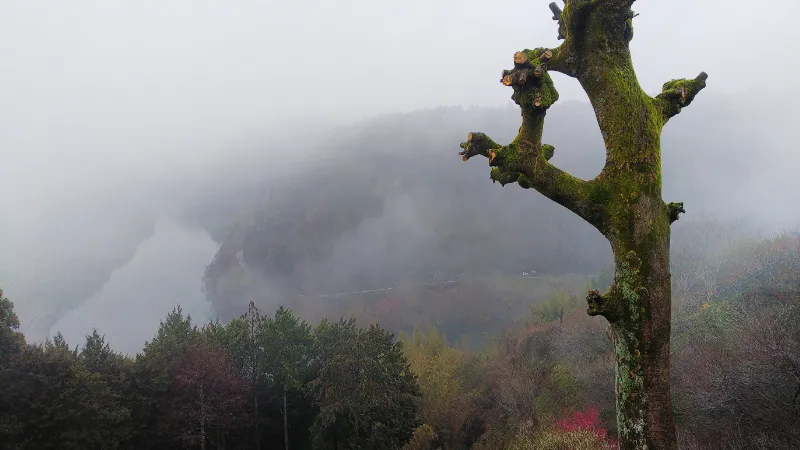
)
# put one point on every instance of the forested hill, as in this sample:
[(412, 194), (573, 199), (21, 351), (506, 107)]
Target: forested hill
[(383, 201), (388, 202)]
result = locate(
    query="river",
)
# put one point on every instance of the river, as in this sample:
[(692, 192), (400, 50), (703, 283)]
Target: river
[(165, 272)]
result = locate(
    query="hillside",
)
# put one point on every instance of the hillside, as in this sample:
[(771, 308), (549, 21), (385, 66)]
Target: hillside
[(387, 203)]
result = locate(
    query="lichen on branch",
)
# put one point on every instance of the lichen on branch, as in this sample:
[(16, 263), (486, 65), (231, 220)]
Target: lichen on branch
[(678, 94)]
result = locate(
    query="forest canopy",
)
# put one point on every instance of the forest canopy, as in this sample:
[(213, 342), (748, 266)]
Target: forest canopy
[(543, 380)]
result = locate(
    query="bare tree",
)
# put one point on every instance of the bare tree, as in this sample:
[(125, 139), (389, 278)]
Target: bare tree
[(623, 202), (701, 249)]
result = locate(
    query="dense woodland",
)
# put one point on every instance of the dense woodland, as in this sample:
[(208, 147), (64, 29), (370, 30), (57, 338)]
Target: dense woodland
[(265, 379)]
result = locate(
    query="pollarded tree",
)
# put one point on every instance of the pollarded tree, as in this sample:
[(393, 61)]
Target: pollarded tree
[(365, 390), (623, 202)]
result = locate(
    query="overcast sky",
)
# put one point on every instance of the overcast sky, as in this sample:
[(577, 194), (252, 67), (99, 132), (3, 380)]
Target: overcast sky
[(122, 82), (94, 93)]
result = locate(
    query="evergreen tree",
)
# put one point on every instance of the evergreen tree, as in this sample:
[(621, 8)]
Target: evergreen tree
[(365, 390), (288, 354), (152, 380)]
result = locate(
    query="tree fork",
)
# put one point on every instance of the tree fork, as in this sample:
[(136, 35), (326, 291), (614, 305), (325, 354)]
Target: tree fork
[(624, 202)]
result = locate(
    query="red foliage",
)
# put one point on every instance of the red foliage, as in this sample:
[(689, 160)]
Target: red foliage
[(208, 392), (588, 420)]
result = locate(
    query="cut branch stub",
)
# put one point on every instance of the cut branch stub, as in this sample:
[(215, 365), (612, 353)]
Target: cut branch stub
[(515, 77), (605, 305), (556, 11), (508, 162), (675, 209), (678, 94), (558, 15), (521, 60), (533, 87), (595, 301), (477, 144), (548, 151)]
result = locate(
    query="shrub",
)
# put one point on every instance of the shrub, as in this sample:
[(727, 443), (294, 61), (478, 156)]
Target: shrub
[(423, 438)]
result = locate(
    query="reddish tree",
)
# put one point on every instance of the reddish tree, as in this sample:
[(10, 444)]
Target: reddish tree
[(209, 394)]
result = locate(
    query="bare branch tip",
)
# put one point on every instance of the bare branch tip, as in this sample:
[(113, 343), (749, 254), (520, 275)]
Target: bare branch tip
[(556, 11)]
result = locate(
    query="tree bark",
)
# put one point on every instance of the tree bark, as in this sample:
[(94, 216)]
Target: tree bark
[(253, 320), (202, 418), (255, 417), (285, 421), (623, 202)]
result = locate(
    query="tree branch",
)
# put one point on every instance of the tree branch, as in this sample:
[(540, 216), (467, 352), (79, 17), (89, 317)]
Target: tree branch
[(558, 16), (678, 94), (477, 144), (525, 160), (596, 34), (526, 163)]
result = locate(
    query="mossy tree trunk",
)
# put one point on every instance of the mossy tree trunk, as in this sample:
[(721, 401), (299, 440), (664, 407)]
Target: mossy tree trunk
[(623, 202)]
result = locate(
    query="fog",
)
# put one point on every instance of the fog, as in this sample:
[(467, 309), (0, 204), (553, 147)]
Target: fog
[(116, 114), (161, 275)]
